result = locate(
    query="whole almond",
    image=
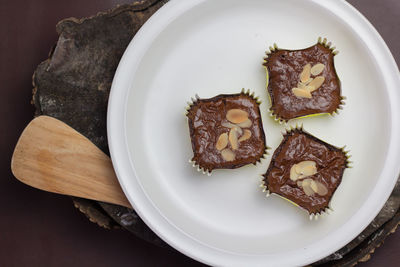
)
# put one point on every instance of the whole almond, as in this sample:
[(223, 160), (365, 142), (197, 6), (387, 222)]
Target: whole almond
[(321, 189), (307, 187), (302, 93), (317, 82), (317, 69), (314, 186), (306, 73), (237, 115), (228, 154), (222, 141), (293, 173), (233, 138), (246, 135)]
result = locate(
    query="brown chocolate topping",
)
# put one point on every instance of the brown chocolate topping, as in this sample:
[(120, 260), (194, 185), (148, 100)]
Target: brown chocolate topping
[(205, 119), (284, 68), (299, 146)]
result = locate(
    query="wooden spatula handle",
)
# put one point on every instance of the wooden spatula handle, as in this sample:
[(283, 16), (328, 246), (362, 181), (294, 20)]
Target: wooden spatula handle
[(53, 157)]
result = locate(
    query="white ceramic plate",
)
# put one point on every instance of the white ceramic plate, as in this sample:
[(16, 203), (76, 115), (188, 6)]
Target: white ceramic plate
[(211, 47)]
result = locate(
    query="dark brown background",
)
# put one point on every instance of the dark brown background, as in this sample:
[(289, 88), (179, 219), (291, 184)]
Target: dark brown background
[(44, 229)]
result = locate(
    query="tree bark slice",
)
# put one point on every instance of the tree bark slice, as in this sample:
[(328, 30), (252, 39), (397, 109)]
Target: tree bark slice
[(73, 85)]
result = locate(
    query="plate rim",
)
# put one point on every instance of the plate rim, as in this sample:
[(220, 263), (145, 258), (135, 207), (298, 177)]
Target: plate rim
[(120, 156)]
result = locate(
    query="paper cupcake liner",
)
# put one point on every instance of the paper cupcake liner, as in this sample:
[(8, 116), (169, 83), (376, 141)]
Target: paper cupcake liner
[(194, 100), (200, 169), (327, 44), (275, 116), (323, 212)]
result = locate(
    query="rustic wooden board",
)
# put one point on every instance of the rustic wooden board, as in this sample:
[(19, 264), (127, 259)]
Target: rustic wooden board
[(73, 85)]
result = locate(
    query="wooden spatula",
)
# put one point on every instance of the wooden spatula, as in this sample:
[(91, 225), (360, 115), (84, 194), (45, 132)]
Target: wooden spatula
[(53, 157)]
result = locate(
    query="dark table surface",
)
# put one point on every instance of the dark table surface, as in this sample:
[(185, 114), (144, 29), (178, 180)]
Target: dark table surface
[(44, 229)]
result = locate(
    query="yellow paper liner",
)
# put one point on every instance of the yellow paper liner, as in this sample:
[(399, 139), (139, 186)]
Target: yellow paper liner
[(328, 209), (243, 92), (275, 116)]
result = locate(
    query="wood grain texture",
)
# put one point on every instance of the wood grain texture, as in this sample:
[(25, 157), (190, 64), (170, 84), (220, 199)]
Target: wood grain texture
[(52, 156)]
